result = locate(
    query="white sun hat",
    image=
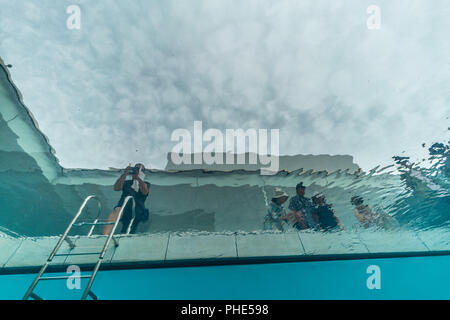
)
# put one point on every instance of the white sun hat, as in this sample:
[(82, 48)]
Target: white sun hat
[(319, 195), (278, 193)]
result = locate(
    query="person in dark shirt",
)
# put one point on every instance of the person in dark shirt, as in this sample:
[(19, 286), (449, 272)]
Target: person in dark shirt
[(301, 208), (324, 216), (138, 189)]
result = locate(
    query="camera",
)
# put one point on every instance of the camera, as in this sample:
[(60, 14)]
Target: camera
[(133, 171)]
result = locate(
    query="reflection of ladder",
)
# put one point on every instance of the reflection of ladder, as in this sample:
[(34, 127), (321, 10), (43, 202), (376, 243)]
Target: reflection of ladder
[(101, 254)]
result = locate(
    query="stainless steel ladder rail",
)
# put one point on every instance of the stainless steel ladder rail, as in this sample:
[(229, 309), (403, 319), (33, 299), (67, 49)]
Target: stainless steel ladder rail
[(87, 291), (39, 277), (57, 247)]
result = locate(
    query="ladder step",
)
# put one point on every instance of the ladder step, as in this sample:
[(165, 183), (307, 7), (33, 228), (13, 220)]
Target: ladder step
[(93, 296), (77, 254), (79, 224), (70, 242), (61, 277), (35, 296)]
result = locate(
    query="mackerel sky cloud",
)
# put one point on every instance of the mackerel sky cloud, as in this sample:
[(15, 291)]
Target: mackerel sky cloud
[(113, 91)]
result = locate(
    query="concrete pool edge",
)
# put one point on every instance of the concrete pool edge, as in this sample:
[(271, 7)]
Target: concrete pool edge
[(27, 255)]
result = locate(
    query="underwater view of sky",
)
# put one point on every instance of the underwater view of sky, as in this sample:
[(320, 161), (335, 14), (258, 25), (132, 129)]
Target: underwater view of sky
[(113, 91)]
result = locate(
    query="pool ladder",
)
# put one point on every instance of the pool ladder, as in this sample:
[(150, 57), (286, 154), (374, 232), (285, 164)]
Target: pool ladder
[(87, 292)]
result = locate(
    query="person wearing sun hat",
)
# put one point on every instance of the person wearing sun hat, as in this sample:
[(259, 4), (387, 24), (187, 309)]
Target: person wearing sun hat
[(276, 213)]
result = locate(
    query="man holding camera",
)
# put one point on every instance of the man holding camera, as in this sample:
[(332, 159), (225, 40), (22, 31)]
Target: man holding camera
[(138, 189)]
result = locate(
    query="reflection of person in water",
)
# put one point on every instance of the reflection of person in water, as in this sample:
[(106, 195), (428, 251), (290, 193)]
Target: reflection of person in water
[(301, 209), (276, 213), (323, 214), (367, 217), (139, 190)]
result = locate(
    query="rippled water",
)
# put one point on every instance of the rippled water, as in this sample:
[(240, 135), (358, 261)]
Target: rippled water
[(416, 195), (422, 199)]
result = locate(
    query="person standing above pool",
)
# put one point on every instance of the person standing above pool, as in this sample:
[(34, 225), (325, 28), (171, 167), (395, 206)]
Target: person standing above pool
[(302, 208), (325, 216), (276, 213), (368, 218), (138, 189)]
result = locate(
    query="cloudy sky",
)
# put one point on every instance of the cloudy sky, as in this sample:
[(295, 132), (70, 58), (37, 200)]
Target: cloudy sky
[(113, 91)]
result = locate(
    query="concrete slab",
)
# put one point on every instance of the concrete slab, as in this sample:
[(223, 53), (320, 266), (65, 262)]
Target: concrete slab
[(93, 244), (269, 244), (437, 239), (9, 247), (141, 248), (318, 243), (211, 246), (35, 252), (165, 247), (392, 241)]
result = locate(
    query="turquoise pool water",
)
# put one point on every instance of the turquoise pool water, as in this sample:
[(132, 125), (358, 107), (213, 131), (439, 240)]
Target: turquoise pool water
[(400, 278)]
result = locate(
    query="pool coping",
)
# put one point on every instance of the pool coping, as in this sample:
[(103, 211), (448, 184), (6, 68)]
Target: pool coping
[(227, 261), (171, 250)]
